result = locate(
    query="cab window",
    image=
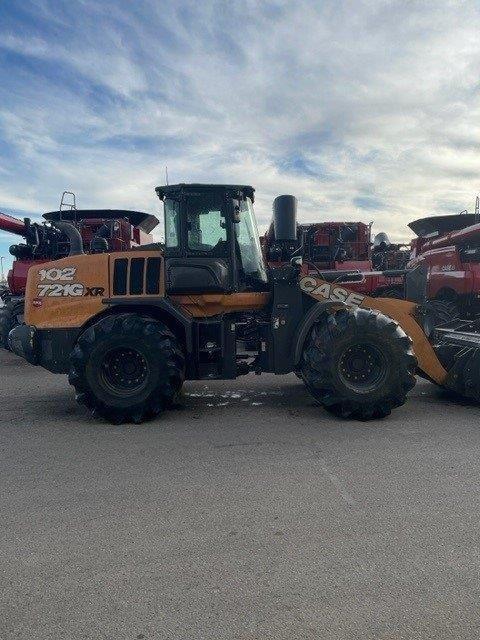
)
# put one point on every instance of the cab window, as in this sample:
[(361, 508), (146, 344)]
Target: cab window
[(206, 228), (248, 245), (172, 224)]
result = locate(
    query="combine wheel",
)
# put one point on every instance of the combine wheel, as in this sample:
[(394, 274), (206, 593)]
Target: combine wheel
[(392, 292), (437, 313), (127, 368), (358, 364), (11, 315)]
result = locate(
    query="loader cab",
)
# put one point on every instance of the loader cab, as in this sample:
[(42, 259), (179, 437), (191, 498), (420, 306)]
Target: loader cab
[(211, 240)]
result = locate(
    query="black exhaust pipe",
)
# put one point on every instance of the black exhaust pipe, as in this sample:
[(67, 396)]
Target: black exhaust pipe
[(73, 235), (285, 218)]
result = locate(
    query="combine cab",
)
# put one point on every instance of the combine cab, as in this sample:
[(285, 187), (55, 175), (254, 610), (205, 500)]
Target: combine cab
[(100, 229)]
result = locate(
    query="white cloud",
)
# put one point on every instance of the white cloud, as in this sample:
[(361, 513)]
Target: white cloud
[(337, 102)]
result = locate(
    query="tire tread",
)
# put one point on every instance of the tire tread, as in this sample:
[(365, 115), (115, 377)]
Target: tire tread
[(316, 369), (163, 396)]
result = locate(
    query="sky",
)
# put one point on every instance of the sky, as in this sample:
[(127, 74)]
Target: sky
[(364, 109)]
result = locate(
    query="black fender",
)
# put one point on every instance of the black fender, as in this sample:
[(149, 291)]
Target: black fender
[(305, 326), (161, 304)]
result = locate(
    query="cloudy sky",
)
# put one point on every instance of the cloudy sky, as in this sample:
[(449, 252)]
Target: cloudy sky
[(365, 110)]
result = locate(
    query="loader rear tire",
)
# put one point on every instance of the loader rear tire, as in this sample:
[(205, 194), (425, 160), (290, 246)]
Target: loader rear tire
[(358, 364), (127, 368), (11, 315)]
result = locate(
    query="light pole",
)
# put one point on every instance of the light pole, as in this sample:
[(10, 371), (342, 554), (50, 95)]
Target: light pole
[(1, 268)]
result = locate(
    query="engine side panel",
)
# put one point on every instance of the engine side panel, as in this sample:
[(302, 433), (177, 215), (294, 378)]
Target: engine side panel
[(212, 304), (67, 292)]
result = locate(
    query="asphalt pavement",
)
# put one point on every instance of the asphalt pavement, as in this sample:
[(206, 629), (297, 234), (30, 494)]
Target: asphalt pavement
[(247, 513)]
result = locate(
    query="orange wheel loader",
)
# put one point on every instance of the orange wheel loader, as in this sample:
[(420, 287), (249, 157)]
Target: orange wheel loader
[(128, 328)]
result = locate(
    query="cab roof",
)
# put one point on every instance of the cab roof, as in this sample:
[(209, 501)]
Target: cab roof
[(192, 188)]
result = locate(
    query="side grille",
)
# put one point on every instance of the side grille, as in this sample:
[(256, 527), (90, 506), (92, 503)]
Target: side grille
[(153, 276), (120, 274), (137, 269), (137, 276)]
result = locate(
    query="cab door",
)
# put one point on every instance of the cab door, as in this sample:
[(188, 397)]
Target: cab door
[(198, 244)]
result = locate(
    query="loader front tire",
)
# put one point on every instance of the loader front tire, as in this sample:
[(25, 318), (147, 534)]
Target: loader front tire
[(358, 364), (127, 368)]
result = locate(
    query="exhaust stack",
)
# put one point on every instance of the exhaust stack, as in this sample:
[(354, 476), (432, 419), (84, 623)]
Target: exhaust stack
[(285, 218)]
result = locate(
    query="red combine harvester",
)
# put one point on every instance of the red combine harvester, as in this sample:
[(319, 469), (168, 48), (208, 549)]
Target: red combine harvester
[(448, 247), (99, 229), (340, 251)]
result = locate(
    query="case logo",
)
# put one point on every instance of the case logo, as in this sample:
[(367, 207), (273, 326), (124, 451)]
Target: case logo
[(331, 292)]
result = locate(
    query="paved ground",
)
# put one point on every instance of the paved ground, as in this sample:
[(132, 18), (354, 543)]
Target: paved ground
[(248, 514)]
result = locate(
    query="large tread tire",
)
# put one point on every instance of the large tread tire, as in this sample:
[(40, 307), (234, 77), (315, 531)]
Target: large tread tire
[(330, 341), (158, 349), (11, 315)]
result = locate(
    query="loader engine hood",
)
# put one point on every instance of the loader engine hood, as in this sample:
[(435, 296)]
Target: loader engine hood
[(64, 292), (67, 293)]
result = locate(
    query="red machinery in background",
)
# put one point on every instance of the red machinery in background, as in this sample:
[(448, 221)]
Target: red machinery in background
[(339, 250), (11, 224), (448, 247), (17, 276), (100, 230)]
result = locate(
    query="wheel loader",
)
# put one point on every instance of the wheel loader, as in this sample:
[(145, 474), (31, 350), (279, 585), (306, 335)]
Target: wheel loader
[(128, 328)]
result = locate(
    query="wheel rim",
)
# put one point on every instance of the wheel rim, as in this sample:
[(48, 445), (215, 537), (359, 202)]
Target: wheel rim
[(362, 367), (124, 371)]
